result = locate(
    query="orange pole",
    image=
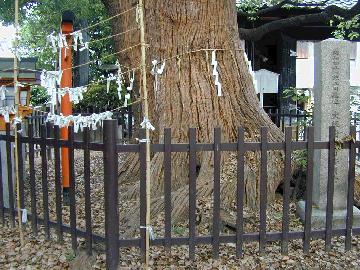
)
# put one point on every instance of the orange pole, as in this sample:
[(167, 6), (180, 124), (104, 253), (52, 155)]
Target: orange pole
[(66, 106)]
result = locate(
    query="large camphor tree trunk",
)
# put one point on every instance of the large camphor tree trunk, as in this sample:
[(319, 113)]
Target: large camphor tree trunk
[(187, 97)]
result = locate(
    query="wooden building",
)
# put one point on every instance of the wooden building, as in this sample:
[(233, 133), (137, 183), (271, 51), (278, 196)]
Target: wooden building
[(278, 51), (28, 75)]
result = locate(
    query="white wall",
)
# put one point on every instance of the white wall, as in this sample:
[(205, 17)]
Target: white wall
[(305, 69), (355, 68)]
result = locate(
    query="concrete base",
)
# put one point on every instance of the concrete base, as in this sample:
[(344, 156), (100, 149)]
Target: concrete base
[(318, 218)]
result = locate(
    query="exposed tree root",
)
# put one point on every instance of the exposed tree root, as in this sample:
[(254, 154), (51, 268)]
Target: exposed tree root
[(180, 194)]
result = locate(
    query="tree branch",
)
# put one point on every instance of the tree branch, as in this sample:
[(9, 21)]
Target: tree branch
[(324, 16)]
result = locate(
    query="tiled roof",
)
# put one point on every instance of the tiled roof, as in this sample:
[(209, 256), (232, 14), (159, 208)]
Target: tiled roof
[(340, 3)]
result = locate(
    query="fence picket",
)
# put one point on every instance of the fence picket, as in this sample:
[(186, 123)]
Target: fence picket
[(216, 210), (20, 168), (263, 189), (10, 174), (286, 193), (192, 193), (143, 202), (32, 180), (111, 190), (87, 187), (330, 188), (44, 182), (167, 187), (110, 152), (48, 134), (59, 229), (309, 189), (2, 209), (240, 193), (72, 189), (350, 197)]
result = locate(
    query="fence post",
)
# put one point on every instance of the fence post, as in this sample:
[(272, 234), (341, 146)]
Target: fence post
[(143, 201), (9, 161), (350, 195), (20, 168), (2, 209), (111, 195), (192, 193)]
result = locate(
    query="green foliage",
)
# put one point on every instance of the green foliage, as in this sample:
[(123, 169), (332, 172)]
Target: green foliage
[(39, 96), (355, 105), (300, 159), (295, 94), (179, 230), (97, 97), (70, 256), (345, 28), (40, 18)]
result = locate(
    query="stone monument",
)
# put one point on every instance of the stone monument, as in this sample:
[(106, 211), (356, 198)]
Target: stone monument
[(331, 108)]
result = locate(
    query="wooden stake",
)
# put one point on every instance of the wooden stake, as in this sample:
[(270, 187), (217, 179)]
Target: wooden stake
[(17, 103), (146, 115)]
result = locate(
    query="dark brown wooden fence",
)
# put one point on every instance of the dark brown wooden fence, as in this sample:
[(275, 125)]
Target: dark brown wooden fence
[(111, 149)]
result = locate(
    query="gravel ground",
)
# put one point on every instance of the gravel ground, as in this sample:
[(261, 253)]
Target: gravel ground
[(38, 253)]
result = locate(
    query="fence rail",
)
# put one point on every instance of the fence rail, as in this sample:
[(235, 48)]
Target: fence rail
[(110, 148)]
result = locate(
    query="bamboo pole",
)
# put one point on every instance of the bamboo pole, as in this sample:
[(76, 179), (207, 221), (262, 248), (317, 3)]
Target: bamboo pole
[(17, 103), (146, 114)]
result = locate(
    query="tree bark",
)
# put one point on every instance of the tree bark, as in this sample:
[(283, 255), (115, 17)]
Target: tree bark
[(187, 96)]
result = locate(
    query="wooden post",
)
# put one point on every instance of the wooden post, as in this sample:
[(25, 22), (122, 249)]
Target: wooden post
[(146, 115), (66, 107), (17, 103), (111, 190)]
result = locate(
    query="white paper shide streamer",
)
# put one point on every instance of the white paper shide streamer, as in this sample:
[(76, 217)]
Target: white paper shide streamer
[(215, 73), (50, 80), (156, 71), (147, 124), (53, 40), (3, 92), (59, 41), (79, 121), (119, 80), (62, 41), (77, 39), (127, 98), (76, 93), (131, 81), (86, 47), (109, 79), (6, 112)]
